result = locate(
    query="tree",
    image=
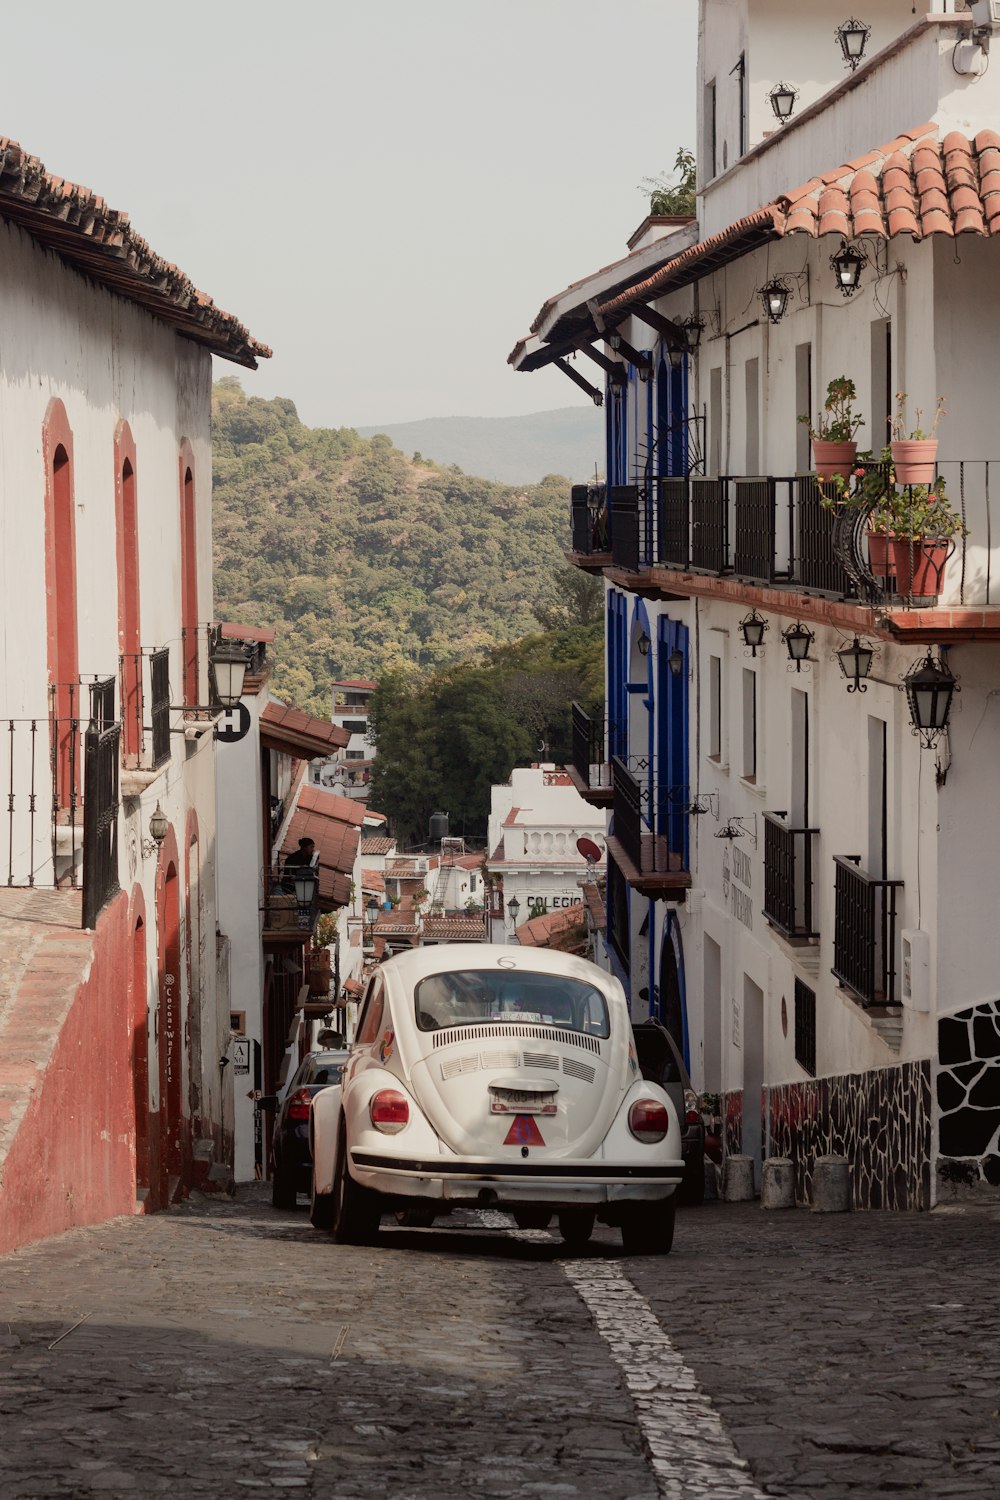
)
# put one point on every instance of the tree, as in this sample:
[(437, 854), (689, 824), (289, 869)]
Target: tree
[(678, 197)]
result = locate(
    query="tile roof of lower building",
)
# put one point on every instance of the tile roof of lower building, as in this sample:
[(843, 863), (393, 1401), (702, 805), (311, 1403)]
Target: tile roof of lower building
[(464, 929), (565, 930), (916, 185), (100, 242), (300, 734), (332, 823), (377, 844)]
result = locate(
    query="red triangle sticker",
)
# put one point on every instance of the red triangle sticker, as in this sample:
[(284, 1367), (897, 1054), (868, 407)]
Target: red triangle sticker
[(524, 1132)]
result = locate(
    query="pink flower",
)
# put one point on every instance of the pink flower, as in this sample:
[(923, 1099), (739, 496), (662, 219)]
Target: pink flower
[(859, 473)]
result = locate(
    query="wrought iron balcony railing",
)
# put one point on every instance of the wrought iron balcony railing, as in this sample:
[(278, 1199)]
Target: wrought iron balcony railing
[(593, 743), (796, 531), (281, 908), (589, 519), (651, 821), (788, 877), (145, 688), (864, 939), (59, 771)]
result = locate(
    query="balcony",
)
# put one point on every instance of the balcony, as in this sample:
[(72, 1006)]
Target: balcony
[(144, 677), (590, 530), (59, 771), (283, 918), (864, 938), (649, 845), (788, 878), (590, 771), (788, 533)]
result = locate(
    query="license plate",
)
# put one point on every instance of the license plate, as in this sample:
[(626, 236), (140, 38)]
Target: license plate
[(516, 1102)]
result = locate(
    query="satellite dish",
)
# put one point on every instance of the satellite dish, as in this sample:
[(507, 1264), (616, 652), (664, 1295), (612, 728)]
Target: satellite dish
[(589, 850)]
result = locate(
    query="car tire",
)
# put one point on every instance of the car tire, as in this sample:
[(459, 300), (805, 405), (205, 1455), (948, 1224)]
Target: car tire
[(320, 1208), (532, 1218), (692, 1188), (356, 1211), (576, 1225), (283, 1194), (649, 1229)]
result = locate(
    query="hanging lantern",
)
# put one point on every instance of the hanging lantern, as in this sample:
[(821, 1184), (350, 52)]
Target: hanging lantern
[(853, 38), (930, 688), (774, 296), (643, 644), (798, 638), (675, 661), (847, 265), (856, 663), (753, 626), (693, 329), (783, 97)]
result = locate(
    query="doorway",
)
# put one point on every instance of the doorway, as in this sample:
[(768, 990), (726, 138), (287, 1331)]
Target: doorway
[(753, 1074), (169, 1039)]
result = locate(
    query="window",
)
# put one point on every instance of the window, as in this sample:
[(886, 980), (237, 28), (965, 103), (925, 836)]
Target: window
[(356, 726), (803, 403), (238, 1022), (751, 375), (189, 583), (471, 997), (715, 707), (371, 1018), (749, 770), (805, 1027), (354, 755), (715, 421), (711, 130)]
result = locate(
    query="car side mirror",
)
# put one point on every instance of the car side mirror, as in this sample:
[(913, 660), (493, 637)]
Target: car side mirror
[(266, 1101)]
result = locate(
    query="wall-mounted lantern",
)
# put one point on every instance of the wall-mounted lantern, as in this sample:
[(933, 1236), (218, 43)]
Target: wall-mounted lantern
[(513, 906), (643, 644), (782, 99), (856, 664), (675, 661), (798, 638), (930, 687), (753, 626), (847, 266), (693, 328), (228, 662), (774, 296), (853, 38), (158, 827)]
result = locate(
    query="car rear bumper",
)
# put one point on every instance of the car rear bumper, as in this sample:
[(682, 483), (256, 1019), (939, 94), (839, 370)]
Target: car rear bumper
[(468, 1180)]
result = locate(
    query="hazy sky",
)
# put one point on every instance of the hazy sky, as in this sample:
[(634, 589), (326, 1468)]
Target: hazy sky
[(385, 191)]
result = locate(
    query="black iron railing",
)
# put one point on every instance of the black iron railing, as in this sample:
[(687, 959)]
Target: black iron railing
[(618, 915), (589, 752), (796, 530), (788, 877), (145, 686), (650, 820), (281, 908), (589, 519), (53, 774), (864, 938)]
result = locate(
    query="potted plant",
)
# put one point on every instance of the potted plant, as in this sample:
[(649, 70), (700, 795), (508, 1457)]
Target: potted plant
[(914, 452), (917, 526), (833, 445)]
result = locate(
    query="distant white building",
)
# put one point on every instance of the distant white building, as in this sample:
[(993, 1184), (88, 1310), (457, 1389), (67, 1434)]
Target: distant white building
[(349, 771), (537, 820)]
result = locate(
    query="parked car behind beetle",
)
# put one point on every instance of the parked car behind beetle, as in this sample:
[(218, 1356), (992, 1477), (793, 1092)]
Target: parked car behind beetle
[(291, 1158)]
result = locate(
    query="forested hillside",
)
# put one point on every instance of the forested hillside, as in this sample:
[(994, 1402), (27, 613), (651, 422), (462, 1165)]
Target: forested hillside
[(364, 560)]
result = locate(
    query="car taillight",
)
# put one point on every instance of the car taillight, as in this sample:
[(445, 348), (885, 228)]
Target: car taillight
[(299, 1105), (648, 1120), (389, 1111)]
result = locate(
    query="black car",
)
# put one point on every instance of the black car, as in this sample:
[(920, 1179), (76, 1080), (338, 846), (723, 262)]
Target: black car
[(660, 1061), (291, 1159)]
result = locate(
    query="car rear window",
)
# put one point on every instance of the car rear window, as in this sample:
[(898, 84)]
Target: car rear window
[(464, 997)]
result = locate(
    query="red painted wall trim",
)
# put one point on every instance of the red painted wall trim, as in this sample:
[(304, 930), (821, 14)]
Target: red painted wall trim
[(60, 582), (129, 619), (189, 571)]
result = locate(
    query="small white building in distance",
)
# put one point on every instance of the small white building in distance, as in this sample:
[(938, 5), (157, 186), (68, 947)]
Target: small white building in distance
[(349, 770), (536, 822)]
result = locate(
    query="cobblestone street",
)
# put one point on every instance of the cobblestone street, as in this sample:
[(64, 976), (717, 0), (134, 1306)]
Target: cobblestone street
[(226, 1348)]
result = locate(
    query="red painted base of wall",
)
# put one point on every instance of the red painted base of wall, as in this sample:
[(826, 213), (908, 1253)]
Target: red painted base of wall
[(73, 1158)]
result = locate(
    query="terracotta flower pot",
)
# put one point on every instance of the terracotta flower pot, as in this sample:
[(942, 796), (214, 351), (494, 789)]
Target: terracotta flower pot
[(831, 459), (915, 460), (919, 566)]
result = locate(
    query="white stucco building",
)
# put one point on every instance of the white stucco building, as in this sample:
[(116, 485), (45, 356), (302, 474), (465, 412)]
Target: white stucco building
[(349, 771), (802, 890), (536, 821)]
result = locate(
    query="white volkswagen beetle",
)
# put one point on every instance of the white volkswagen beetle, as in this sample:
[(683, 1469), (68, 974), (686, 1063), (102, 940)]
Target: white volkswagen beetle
[(500, 1077)]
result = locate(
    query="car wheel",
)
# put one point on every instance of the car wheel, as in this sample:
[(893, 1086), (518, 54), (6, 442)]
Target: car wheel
[(320, 1208), (576, 1225), (692, 1188), (356, 1211), (283, 1193), (649, 1230), (532, 1218)]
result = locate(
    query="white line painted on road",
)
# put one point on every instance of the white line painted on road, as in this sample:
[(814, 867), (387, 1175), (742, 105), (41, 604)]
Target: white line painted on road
[(690, 1454)]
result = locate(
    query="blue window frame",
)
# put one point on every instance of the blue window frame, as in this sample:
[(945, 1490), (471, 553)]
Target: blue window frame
[(672, 730)]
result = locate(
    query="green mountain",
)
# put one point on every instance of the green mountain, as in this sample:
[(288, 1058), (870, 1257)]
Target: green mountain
[(365, 561), (513, 450)]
